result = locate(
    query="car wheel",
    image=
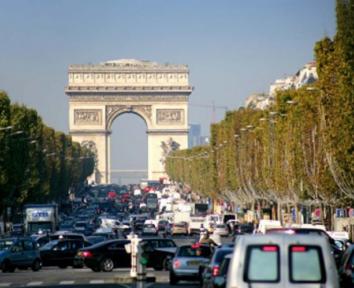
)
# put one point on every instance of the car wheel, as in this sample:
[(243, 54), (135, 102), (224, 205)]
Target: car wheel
[(173, 279), (5, 266), (36, 265), (107, 265)]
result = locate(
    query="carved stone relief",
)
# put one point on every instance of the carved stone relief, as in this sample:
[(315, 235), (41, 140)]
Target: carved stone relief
[(113, 110), (87, 117), (170, 116)]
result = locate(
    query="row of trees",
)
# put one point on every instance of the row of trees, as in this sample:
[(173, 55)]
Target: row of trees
[(37, 163), (299, 150)]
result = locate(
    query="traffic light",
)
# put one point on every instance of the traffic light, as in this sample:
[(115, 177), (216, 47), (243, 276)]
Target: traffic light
[(144, 256)]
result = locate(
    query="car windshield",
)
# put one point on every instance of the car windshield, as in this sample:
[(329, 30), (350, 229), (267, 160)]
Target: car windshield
[(189, 251), (6, 244), (50, 244)]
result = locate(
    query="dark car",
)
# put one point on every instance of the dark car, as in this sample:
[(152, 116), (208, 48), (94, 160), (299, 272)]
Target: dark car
[(213, 268), (61, 252), (159, 252), (219, 281), (19, 253), (346, 268), (107, 255), (163, 225)]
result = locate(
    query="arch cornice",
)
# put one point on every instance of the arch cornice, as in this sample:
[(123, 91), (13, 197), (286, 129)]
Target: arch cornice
[(113, 111)]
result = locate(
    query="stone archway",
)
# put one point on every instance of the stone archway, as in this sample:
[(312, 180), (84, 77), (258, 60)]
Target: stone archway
[(158, 93)]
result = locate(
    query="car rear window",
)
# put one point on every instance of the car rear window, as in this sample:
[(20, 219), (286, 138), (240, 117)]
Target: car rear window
[(189, 251), (262, 264), (306, 264), (220, 255)]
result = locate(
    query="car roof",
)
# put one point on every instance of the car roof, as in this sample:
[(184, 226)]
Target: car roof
[(281, 239)]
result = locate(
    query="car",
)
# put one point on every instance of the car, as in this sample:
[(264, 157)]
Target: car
[(212, 269), (221, 230), (107, 255), (187, 262), (346, 268), (163, 225), (282, 260), (179, 229), (149, 229), (219, 281), (19, 253), (61, 252), (159, 251)]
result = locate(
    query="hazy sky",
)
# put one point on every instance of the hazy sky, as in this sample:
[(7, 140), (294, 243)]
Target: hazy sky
[(233, 48)]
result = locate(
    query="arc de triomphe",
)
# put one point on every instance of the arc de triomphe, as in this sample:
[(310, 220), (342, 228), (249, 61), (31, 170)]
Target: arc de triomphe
[(158, 93)]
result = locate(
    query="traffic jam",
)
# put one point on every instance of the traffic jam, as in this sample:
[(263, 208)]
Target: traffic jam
[(161, 227)]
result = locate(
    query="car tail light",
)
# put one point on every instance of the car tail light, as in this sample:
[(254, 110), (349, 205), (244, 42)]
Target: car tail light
[(298, 249), (215, 271), (196, 245), (87, 254), (176, 264), (269, 248)]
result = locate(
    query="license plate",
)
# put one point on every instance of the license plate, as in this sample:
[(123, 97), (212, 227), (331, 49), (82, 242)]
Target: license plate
[(194, 263)]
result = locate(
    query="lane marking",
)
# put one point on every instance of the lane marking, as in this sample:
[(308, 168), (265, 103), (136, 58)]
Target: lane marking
[(66, 282), (35, 283), (5, 284), (98, 281)]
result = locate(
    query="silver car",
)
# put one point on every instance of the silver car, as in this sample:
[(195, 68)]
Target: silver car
[(187, 261)]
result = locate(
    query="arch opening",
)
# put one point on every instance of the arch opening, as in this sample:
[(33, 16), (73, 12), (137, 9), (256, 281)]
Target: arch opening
[(128, 148)]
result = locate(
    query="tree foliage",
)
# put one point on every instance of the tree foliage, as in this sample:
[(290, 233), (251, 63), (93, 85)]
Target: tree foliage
[(37, 164), (299, 150)]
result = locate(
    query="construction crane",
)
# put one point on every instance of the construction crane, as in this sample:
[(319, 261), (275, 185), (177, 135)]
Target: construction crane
[(213, 107)]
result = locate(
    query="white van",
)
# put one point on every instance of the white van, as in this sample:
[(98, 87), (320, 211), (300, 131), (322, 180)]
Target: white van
[(280, 260)]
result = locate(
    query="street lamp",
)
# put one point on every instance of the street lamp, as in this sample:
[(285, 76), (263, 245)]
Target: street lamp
[(19, 132), (6, 128)]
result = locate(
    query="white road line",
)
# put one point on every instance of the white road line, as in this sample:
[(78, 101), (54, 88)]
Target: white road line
[(98, 281), (35, 283), (5, 284), (67, 282)]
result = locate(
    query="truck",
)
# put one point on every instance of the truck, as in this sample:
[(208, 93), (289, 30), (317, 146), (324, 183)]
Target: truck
[(40, 218), (181, 216)]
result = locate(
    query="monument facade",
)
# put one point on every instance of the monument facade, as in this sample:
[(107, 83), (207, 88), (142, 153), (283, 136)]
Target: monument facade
[(158, 93)]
